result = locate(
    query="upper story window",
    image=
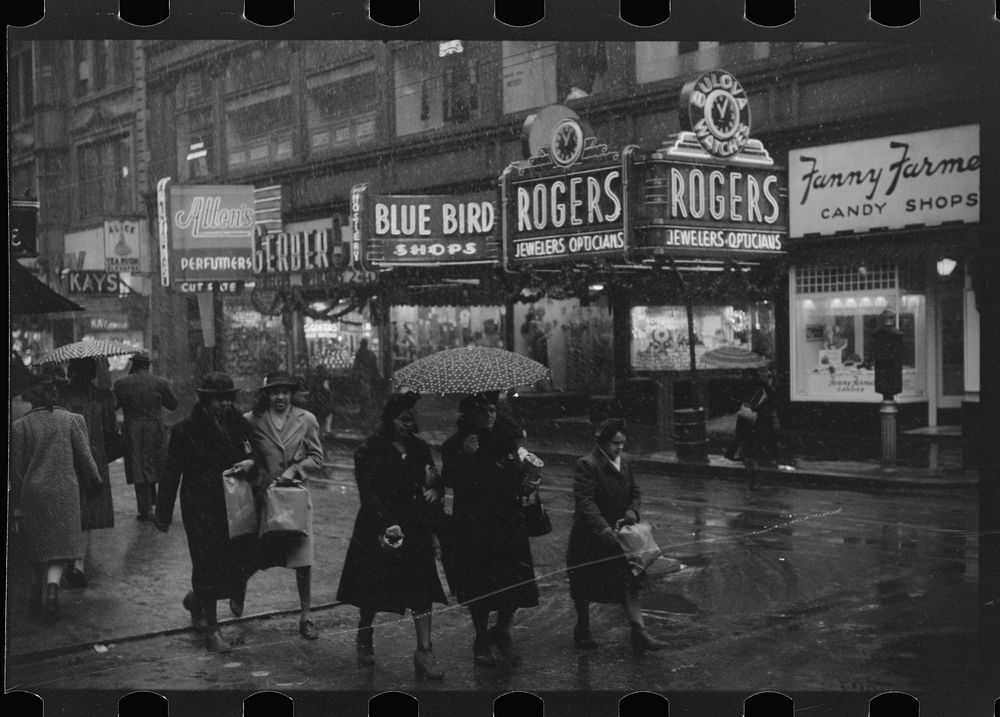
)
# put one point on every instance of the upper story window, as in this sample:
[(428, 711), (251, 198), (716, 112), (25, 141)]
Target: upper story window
[(537, 73), (259, 128), (265, 64), (100, 64), (340, 106), (105, 185), (193, 89), (21, 94), (432, 91), (661, 60)]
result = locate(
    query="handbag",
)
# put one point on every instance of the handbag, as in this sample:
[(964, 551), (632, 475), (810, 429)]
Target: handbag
[(241, 511), (536, 519), (746, 414), (640, 549), (114, 445), (286, 510)]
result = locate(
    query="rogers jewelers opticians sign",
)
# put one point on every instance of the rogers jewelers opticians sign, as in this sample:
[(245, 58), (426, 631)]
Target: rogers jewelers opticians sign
[(206, 232)]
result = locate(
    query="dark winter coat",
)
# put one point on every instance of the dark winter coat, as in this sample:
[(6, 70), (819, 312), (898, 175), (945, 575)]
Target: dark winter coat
[(142, 397), (390, 489), (493, 567), (757, 443), (97, 406), (199, 451), (598, 569)]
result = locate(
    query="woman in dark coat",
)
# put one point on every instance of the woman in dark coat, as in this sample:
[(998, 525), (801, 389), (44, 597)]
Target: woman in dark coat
[(494, 570), (213, 439), (756, 444), (97, 406), (390, 564), (606, 497)]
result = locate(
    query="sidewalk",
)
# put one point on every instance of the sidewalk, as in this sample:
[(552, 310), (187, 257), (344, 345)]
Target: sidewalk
[(856, 475)]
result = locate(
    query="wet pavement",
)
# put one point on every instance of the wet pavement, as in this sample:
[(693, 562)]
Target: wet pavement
[(785, 588)]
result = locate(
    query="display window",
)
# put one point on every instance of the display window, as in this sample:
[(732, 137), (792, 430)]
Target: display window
[(834, 315), (417, 331), (574, 341), (332, 344), (661, 339), (255, 344)]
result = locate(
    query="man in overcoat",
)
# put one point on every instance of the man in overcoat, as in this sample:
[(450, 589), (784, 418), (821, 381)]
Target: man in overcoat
[(142, 398)]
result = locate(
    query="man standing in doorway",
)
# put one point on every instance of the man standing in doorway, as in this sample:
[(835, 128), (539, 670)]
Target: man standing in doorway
[(367, 373), (142, 398)]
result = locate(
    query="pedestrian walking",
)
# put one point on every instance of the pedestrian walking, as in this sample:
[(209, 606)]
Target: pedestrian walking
[(214, 439), (494, 570), (142, 398), (756, 439), (321, 398), (390, 564), (286, 439), (606, 497), (368, 377), (97, 406), (50, 461)]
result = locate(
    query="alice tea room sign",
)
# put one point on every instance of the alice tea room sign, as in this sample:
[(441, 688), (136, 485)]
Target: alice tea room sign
[(924, 178), (422, 230), (206, 233)]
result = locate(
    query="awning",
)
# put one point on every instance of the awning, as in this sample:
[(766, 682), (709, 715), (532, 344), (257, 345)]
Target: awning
[(28, 295)]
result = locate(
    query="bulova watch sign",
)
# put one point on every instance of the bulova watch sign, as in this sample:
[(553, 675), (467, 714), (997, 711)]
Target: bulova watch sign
[(566, 201), (711, 190)]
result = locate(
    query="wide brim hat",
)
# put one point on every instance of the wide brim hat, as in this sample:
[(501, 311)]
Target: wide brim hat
[(217, 383), (141, 359), (278, 379)]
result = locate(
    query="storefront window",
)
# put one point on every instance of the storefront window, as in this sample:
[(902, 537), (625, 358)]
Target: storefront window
[(661, 342), (574, 341), (255, 344), (332, 344), (835, 313), (340, 107), (421, 330)]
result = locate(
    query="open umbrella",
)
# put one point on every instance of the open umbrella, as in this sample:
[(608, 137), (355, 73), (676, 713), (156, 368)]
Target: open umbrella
[(732, 357), (469, 370), (88, 348)]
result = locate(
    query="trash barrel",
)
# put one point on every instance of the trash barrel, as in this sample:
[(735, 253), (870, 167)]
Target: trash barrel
[(690, 436)]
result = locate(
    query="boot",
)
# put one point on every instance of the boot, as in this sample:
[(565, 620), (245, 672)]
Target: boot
[(193, 606), (504, 643), (642, 641), (366, 648), (482, 652), (236, 602), (583, 638), (425, 667), (50, 602)]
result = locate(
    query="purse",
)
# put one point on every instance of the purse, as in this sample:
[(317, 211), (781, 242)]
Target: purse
[(114, 445), (536, 519), (640, 549), (746, 414), (241, 511), (286, 510)]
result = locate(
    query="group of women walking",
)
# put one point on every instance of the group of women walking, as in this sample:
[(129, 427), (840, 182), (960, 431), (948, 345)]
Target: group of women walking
[(401, 527)]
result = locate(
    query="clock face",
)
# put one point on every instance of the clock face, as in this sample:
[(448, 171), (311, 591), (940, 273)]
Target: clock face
[(567, 143)]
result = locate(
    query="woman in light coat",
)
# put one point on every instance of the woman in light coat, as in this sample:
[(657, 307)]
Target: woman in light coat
[(50, 460), (606, 497)]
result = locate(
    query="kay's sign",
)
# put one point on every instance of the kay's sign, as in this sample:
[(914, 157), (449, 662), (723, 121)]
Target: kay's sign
[(891, 182)]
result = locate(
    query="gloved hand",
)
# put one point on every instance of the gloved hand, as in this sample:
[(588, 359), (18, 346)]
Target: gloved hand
[(610, 539)]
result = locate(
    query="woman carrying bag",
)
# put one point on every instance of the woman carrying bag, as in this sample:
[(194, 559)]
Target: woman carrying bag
[(756, 439), (606, 497), (213, 440), (390, 564)]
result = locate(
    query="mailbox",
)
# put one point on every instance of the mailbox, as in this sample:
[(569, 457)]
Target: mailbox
[(888, 356)]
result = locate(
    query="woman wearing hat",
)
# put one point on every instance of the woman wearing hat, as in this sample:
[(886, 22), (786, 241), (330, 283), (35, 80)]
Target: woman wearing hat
[(50, 460), (390, 564), (606, 497), (215, 438), (286, 438), (495, 571)]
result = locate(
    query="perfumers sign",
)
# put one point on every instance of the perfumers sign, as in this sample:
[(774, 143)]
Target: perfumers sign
[(888, 183)]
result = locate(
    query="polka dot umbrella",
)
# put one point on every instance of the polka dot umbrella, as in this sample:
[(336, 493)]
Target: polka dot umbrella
[(469, 370), (732, 357), (86, 349)]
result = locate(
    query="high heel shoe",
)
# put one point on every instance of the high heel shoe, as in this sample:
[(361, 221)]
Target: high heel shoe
[(425, 666), (50, 602), (642, 641), (366, 648)]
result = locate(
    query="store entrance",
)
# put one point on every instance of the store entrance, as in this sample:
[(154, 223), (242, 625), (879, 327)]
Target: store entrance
[(950, 352)]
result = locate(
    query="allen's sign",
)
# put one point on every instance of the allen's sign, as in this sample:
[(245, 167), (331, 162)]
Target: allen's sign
[(206, 232), (422, 230)]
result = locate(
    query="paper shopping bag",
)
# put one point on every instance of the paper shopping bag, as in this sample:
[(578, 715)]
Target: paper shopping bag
[(240, 509), (286, 510), (639, 547)]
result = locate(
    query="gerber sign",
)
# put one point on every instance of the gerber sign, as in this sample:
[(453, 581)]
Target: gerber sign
[(210, 233)]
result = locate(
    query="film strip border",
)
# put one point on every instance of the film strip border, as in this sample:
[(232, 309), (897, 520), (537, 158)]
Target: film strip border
[(772, 20)]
